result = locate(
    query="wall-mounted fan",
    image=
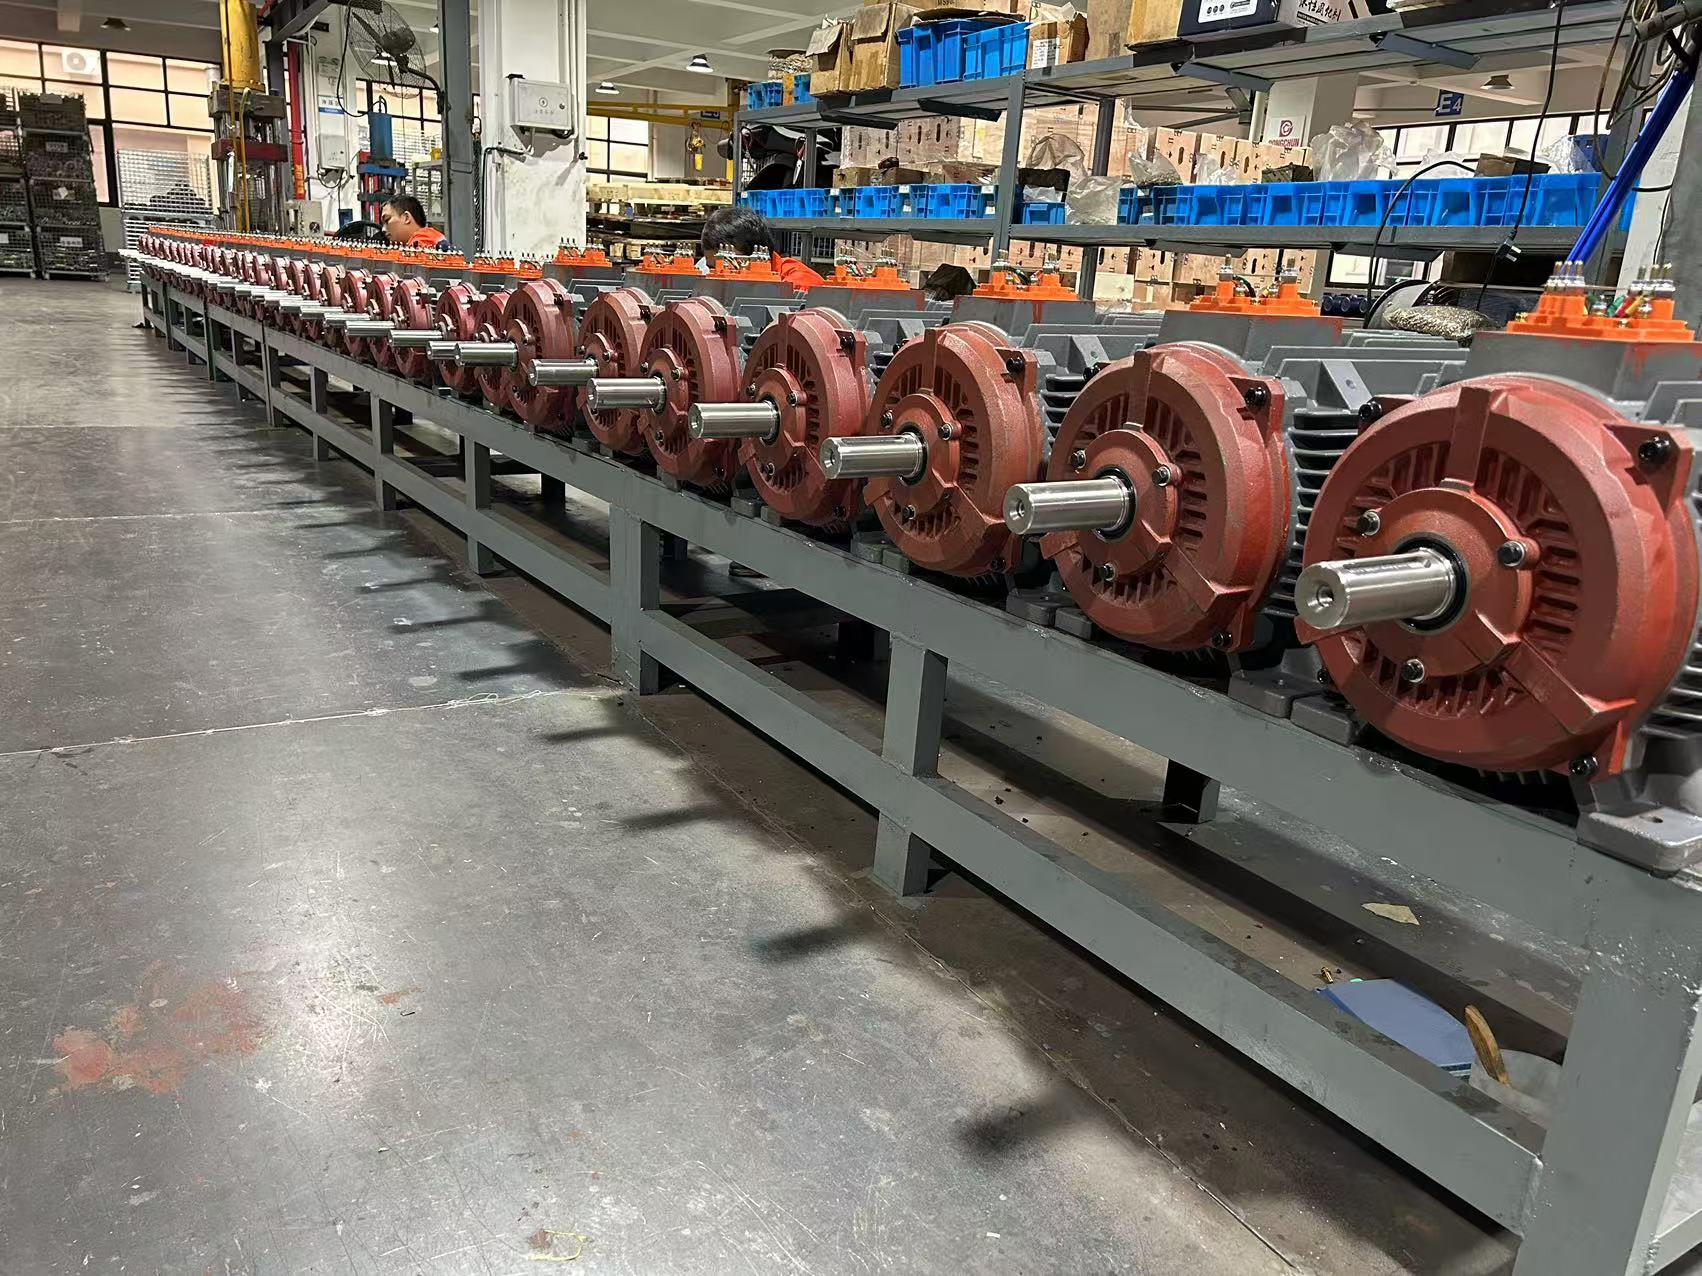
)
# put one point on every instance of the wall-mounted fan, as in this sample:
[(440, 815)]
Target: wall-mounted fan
[(385, 48)]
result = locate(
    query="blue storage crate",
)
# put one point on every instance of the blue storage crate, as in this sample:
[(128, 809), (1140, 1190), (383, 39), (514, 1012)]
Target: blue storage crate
[(1041, 213), (811, 202), (1000, 50), (937, 52), (954, 200), (1129, 206), (1172, 205), (842, 201), (1357, 203), (760, 96), (801, 95), (1563, 199), (877, 201)]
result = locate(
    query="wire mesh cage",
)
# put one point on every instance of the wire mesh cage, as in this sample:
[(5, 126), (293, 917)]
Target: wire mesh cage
[(165, 182)]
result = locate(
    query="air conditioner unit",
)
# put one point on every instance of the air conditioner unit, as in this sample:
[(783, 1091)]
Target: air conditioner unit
[(80, 61)]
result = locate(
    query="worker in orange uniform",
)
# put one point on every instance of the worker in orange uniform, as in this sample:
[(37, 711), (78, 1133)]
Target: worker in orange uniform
[(746, 231), (405, 224)]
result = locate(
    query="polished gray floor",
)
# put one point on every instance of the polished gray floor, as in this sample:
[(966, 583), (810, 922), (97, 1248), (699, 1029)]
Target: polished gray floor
[(351, 920)]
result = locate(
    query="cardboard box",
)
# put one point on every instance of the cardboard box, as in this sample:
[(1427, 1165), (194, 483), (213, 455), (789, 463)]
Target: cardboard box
[(897, 175), (830, 46), (1178, 148), (1202, 17), (854, 175), (1150, 264), (1057, 43), (1110, 287), (1105, 22), (1115, 261), (1153, 21), (874, 45), (1507, 166)]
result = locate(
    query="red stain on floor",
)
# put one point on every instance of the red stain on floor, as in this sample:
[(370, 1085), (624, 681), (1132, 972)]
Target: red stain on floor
[(172, 1027), (391, 998)]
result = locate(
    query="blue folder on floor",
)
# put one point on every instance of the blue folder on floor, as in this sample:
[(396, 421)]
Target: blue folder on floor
[(1403, 1016)]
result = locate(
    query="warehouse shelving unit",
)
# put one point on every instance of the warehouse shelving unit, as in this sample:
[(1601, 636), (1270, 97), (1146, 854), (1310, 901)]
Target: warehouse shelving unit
[(64, 210), (161, 188), (1614, 1182), (1208, 73), (17, 254)]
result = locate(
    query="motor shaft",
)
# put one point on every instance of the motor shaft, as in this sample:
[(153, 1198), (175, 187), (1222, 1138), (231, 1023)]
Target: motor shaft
[(341, 318), (442, 351), (902, 456), (733, 420), (605, 393), (1417, 587), (548, 372), (368, 328), (487, 354), (1087, 505), (414, 338)]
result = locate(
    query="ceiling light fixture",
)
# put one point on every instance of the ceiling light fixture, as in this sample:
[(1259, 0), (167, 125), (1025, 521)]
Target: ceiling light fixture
[(1498, 83), (700, 63), (606, 88), (115, 24)]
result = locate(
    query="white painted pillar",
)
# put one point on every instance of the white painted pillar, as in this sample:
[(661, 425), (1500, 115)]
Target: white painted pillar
[(534, 200)]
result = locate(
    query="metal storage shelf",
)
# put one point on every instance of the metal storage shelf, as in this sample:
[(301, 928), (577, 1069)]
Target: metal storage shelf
[(1203, 74), (1510, 33), (1613, 1182), (1395, 241)]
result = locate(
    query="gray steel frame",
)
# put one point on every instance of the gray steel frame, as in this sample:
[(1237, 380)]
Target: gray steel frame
[(1611, 1186)]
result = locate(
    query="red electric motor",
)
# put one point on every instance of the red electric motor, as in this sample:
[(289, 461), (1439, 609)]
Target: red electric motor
[(1503, 574), (611, 335), (458, 319), (539, 321)]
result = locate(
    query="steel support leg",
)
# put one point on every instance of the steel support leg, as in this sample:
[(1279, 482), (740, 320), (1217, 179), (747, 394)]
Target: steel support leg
[(635, 580), (319, 396), (273, 374), (384, 444), (1633, 1061), (478, 472), (915, 715), (552, 490), (1189, 797)]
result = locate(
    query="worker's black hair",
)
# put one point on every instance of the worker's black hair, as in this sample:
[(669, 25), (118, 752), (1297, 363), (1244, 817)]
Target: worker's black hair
[(403, 203), (744, 230)]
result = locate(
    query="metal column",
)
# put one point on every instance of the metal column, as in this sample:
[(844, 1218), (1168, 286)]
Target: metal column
[(915, 719), (1098, 162), (1004, 208), (384, 443), (635, 577), (460, 159), (1684, 233)]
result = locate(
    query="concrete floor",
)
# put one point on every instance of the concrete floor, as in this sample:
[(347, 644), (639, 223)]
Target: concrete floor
[(351, 919)]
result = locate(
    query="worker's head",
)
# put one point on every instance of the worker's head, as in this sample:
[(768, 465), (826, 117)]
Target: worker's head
[(740, 230), (403, 218)]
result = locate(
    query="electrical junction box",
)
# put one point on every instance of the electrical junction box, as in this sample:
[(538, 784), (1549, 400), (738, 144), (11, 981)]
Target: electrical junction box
[(541, 104), (1201, 17), (333, 153)]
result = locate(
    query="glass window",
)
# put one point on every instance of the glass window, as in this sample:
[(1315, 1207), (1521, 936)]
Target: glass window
[(190, 111), (1486, 138), (13, 85), (134, 71), (133, 137), (637, 131), (190, 77), (624, 158), (94, 102), (138, 106), (597, 156), (1417, 143), (19, 60), (60, 62), (97, 152), (1522, 137)]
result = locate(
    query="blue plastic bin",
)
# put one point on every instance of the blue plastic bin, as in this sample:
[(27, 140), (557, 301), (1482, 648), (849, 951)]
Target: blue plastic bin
[(1359, 203), (877, 201), (937, 52), (953, 200), (1172, 205), (801, 95), (1129, 206), (1000, 50), (1041, 213), (761, 96)]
